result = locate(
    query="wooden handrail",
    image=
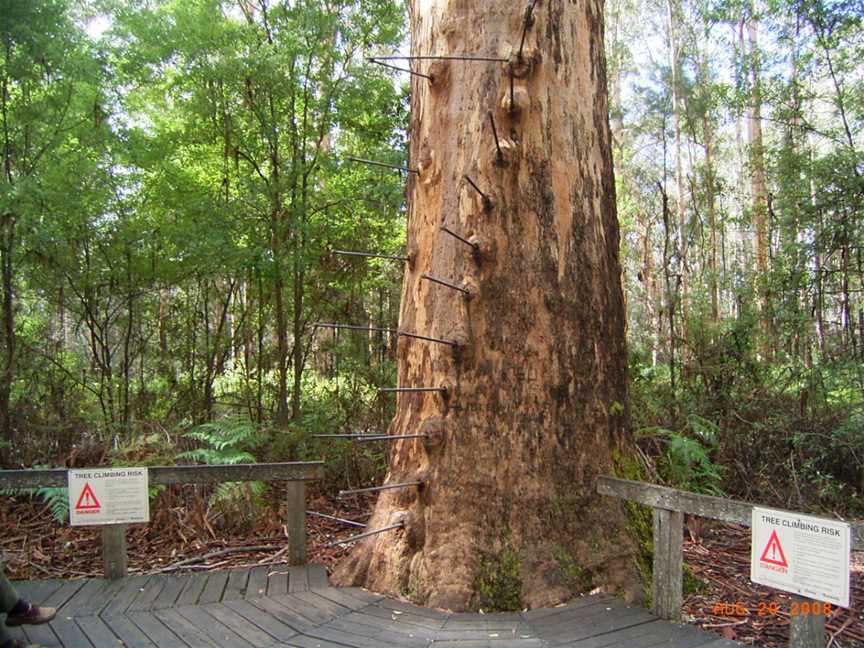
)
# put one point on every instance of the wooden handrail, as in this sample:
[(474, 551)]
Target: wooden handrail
[(158, 475), (708, 506), (114, 556), (669, 506)]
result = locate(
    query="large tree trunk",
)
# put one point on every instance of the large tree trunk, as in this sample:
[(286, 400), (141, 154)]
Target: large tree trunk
[(537, 390)]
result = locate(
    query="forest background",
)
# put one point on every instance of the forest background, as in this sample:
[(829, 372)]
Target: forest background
[(176, 179)]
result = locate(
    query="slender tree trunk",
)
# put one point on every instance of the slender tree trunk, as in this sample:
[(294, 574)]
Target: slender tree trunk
[(670, 291), (7, 248), (536, 399), (281, 329), (713, 276), (758, 191), (677, 110), (649, 281)]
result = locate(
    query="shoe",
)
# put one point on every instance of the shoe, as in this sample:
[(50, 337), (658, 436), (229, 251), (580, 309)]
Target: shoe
[(34, 615), (17, 643)]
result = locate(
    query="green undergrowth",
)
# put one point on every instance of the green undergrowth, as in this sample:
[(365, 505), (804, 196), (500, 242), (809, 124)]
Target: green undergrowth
[(498, 584)]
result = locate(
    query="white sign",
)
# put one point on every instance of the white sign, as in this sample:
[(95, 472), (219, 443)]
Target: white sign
[(801, 554), (108, 496)]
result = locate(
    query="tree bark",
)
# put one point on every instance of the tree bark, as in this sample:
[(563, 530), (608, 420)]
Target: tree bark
[(536, 401)]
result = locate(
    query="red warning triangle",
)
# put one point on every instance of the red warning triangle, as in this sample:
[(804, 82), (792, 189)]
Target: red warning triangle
[(774, 552), (87, 500)]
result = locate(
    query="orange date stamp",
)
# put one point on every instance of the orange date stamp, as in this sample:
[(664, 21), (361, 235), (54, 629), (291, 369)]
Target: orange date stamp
[(773, 608)]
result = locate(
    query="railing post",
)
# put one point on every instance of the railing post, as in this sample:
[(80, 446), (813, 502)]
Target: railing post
[(115, 561), (296, 522), (807, 630), (668, 564)]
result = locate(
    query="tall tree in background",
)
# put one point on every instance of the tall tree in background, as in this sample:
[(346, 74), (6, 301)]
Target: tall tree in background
[(678, 116), (48, 101), (758, 190), (536, 390)]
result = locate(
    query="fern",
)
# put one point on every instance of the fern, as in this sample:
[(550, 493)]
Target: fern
[(54, 497), (224, 443), (686, 462)]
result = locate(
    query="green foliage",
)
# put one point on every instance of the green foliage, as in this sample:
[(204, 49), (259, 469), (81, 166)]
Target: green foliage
[(498, 584), (56, 499), (224, 442), (686, 461), (229, 442)]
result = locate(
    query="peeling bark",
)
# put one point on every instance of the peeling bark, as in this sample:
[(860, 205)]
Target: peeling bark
[(537, 394)]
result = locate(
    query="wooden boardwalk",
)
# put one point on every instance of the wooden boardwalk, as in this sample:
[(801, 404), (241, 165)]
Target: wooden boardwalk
[(294, 607)]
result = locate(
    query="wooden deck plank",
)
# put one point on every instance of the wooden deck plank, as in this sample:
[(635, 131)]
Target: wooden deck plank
[(594, 626), (298, 579), (315, 614), (372, 627), (58, 597), (257, 585), (268, 623), (321, 603), (98, 632), (215, 587), (239, 624), (362, 595), (43, 635), (302, 641), (86, 598), (174, 586), (103, 598), (120, 602), (69, 633), (317, 577), (221, 634), (192, 590), (38, 590), (157, 631), (351, 638), (235, 588), (406, 618), (130, 634), (625, 636), (277, 583), (339, 596), (185, 629), (147, 595), (283, 614)]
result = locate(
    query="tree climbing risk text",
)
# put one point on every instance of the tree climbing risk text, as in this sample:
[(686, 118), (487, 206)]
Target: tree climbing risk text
[(801, 554)]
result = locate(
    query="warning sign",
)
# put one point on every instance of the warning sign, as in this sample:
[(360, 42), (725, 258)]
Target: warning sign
[(108, 496), (87, 500), (801, 554), (773, 553)]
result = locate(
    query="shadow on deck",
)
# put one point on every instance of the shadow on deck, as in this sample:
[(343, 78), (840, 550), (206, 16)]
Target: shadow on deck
[(295, 607)]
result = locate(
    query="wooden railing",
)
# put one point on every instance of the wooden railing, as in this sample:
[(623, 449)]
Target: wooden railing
[(669, 506), (114, 556)]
